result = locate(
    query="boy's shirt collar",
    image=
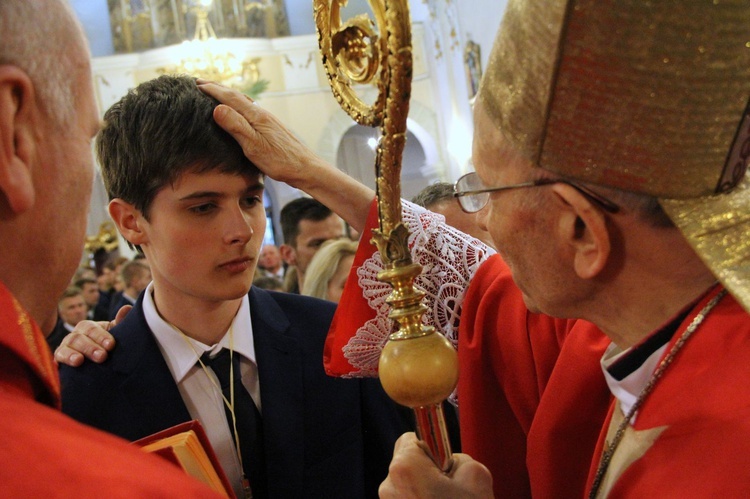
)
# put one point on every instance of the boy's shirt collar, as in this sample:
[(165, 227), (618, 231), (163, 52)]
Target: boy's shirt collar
[(179, 354)]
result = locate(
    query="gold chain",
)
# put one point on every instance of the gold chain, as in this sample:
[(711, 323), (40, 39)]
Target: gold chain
[(663, 365)]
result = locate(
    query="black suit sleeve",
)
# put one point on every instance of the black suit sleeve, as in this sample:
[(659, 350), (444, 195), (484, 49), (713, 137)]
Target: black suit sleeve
[(87, 393), (383, 421)]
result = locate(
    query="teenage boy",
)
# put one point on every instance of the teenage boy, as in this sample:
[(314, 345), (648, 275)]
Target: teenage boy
[(183, 193)]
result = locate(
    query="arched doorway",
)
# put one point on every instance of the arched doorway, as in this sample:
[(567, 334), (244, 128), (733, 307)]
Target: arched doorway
[(355, 155)]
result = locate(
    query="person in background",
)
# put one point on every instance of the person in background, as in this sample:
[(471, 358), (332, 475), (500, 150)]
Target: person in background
[(83, 272), (90, 290), (438, 197), (270, 262), (71, 309), (290, 282), (136, 275), (48, 117), (116, 265), (268, 282), (106, 278), (112, 280), (306, 224), (105, 281), (110, 270), (329, 269)]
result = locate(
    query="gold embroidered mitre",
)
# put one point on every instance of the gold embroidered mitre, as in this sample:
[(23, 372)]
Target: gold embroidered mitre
[(642, 96)]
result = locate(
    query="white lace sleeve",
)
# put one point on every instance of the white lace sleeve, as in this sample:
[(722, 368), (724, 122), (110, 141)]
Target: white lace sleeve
[(449, 259)]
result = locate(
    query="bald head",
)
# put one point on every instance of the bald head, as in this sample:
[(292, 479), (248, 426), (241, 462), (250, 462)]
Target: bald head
[(45, 40), (48, 117)]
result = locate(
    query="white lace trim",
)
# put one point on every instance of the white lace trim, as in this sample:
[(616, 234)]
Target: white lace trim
[(449, 258)]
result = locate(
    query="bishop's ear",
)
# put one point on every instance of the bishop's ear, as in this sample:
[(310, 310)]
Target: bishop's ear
[(19, 119), (129, 221), (583, 227)]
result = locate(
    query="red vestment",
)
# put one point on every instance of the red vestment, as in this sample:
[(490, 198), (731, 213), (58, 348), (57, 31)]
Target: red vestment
[(699, 414), (531, 390), (533, 399), (43, 453)]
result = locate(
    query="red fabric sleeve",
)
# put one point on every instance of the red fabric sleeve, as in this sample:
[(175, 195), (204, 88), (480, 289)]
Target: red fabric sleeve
[(494, 427), (353, 310), (531, 393)]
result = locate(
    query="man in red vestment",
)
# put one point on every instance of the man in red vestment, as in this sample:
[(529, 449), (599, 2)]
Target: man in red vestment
[(605, 354), (48, 117)]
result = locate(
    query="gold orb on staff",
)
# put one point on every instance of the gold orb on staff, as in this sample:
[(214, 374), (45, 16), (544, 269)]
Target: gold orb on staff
[(418, 367)]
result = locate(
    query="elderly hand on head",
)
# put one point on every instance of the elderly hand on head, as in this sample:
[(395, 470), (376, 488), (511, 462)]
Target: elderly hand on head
[(89, 340), (412, 474), (271, 146), (279, 154)]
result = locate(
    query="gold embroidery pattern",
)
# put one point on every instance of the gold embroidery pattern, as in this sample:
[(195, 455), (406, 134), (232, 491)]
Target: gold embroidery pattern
[(35, 344)]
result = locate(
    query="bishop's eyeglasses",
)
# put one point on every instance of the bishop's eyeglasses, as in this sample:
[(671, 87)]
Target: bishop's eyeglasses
[(473, 195)]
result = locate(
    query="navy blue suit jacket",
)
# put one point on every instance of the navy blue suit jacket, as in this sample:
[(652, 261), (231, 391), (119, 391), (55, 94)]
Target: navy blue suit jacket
[(116, 302), (324, 437)]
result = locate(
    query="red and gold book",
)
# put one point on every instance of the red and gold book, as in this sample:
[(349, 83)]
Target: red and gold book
[(187, 446)]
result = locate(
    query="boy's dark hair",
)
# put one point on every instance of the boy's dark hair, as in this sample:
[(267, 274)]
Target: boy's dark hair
[(297, 210), (159, 130)]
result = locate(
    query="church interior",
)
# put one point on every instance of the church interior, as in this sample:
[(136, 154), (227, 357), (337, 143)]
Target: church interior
[(269, 50)]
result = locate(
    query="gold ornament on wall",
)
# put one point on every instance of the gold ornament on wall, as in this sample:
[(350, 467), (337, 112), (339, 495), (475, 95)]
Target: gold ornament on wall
[(217, 59), (213, 51), (139, 25), (105, 239)]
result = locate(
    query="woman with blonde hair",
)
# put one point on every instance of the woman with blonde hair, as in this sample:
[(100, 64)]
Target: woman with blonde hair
[(329, 268)]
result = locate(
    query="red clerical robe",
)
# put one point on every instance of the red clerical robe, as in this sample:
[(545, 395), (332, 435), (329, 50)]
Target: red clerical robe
[(691, 437), (46, 454), (531, 390), (532, 396)]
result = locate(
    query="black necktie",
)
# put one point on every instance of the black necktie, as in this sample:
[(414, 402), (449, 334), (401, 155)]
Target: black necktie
[(249, 423)]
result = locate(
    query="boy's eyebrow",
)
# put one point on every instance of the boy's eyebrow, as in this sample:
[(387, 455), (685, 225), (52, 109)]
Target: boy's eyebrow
[(259, 186)]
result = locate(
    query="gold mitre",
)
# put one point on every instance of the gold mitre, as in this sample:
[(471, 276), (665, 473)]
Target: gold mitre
[(645, 96)]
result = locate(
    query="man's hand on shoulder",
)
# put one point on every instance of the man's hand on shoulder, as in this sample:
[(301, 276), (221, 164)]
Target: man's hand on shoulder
[(89, 340)]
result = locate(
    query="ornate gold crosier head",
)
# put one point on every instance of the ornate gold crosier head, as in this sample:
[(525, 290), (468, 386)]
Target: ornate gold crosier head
[(418, 367)]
